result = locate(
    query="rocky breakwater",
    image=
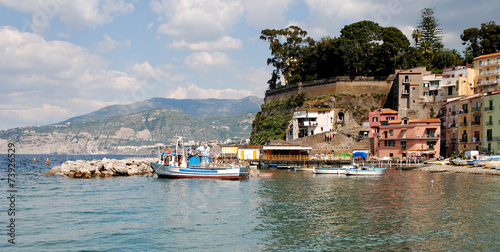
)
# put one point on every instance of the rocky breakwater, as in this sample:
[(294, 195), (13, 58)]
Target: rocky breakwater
[(104, 168)]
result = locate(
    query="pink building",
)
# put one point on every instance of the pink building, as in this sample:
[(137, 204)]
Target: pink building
[(378, 116), (408, 137)]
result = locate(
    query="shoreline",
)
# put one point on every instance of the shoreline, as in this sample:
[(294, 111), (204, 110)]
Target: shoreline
[(458, 169)]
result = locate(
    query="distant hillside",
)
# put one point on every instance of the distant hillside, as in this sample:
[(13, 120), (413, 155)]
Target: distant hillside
[(125, 134), (194, 107)]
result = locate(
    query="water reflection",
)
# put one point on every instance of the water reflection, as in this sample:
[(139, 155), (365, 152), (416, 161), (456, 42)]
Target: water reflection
[(399, 211)]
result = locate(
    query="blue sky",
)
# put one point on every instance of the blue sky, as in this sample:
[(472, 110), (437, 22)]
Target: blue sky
[(64, 58)]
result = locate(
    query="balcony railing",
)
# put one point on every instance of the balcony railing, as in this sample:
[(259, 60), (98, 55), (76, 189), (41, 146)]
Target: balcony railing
[(487, 82), (488, 109), (474, 109), (463, 140), (463, 124), (489, 139), (491, 72), (490, 123), (475, 123)]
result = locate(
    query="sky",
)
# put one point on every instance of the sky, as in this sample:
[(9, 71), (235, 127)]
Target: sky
[(65, 58)]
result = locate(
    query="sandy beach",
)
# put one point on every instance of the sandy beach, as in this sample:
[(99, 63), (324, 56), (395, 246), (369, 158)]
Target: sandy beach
[(458, 169)]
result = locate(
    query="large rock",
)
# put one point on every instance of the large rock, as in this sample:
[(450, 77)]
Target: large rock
[(104, 167)]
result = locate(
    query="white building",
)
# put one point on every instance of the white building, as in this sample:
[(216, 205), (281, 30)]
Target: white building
[(307, 122)]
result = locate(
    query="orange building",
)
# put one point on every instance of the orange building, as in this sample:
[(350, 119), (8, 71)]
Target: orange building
[(408, 137)]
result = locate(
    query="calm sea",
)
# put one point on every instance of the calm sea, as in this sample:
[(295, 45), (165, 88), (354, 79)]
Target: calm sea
[(292, 211)]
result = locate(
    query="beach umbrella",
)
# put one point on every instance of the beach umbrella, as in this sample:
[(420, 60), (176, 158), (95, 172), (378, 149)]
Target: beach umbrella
[(359, 154)]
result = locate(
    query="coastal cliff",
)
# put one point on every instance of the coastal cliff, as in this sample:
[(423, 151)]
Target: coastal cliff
[(104, 168)]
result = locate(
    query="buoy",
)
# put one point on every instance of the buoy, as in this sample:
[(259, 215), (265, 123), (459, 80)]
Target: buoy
[(47, 162), (34, 159)]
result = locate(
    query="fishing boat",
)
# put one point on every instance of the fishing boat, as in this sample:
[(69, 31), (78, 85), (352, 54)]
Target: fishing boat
[(329, 170), (366, 171), (183, 163)]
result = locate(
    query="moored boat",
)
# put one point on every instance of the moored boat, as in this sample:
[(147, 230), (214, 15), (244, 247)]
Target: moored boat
[(366, 171), (328, 170), (184, 164)]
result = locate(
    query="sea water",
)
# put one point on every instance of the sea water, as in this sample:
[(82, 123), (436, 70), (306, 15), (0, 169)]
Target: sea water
[(290, 211)]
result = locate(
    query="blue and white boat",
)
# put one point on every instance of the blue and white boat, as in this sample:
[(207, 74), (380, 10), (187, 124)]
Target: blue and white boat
[(187, 164)]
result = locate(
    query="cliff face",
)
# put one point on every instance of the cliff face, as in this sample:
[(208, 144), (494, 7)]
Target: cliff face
[(354, 99), (138, 133)]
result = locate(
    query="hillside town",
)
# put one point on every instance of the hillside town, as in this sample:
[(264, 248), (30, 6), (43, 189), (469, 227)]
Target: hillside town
[(430, 115)]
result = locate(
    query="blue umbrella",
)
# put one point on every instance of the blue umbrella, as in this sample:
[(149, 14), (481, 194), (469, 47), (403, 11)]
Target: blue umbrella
[(359, 154)]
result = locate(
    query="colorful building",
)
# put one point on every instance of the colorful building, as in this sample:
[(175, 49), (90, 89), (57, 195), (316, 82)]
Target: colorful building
[(470, 128), (491, 123), (408, 137), (449, 129), (487, 71), (378, 116)]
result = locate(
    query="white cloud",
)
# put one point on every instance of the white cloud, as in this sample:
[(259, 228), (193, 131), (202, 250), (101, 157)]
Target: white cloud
[(55, 79), (76, 13), (267, 14), (156, 75), (109, 44), (194, 92), (202, 60), (198, 20), (224, 43)]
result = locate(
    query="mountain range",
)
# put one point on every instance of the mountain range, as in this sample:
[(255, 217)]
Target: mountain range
[(136, 127), (195, 107)]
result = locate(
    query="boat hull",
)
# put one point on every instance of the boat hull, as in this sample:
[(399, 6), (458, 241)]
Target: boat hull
[(172, 172), (368, 172), (328, 171)]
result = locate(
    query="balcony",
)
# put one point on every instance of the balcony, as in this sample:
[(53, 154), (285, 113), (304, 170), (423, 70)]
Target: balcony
[(488, 109), (487, 73), (463, 140), (475, 123), (463, 124), (308, 123), (475, 109), (490, 123), (487, 82), (489, 139)]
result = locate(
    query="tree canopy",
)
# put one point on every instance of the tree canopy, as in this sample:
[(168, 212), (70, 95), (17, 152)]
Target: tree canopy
[(363, 48), (484, 40)]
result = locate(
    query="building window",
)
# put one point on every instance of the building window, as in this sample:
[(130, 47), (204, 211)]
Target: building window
[(403, 144), (405, 121), (391, 132), (426, 84), (481, 62), (426, 93), (431, 144), (390, 118), (375, 119), (407, 78), (392, 143)]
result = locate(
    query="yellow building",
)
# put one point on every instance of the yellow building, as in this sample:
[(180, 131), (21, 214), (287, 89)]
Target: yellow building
[(487, 71), (471, 123)]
